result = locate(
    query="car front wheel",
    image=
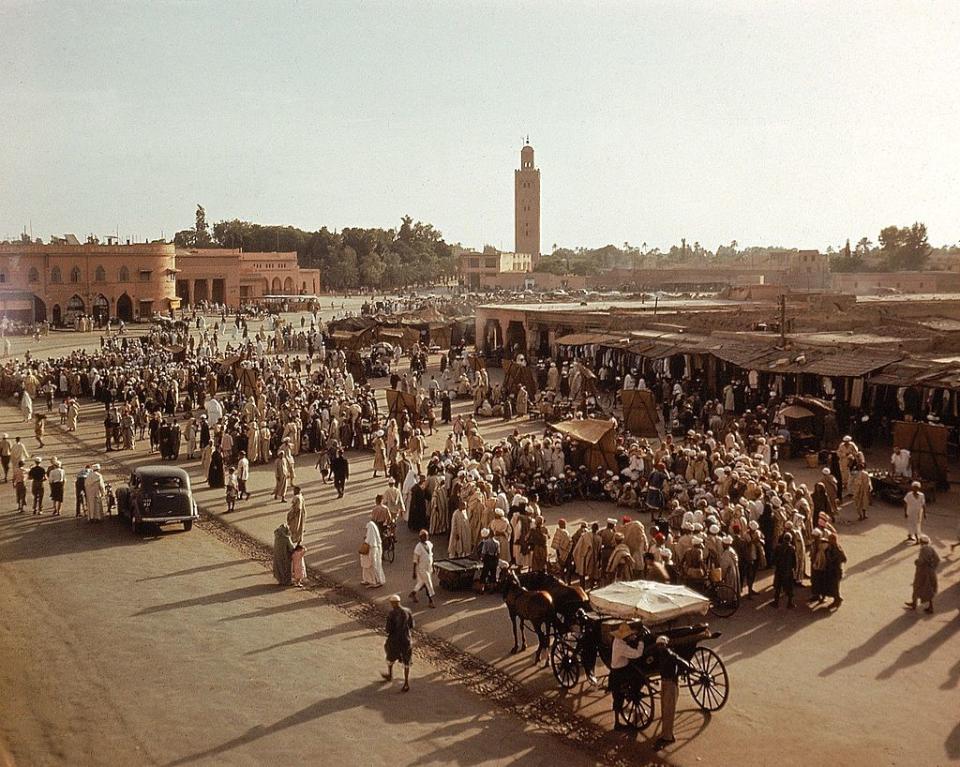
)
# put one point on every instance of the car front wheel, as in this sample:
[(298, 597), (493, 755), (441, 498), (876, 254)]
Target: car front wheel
[(188, 525)]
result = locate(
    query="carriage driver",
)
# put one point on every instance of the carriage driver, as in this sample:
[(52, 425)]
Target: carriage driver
[(621, 672)]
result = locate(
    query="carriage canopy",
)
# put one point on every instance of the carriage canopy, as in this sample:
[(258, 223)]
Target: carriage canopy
[(649, 601)]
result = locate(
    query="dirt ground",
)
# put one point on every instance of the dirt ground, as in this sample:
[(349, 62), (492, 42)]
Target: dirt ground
[(805, 683)]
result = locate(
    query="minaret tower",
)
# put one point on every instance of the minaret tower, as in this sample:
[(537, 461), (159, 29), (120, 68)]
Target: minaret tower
[(526, 195)]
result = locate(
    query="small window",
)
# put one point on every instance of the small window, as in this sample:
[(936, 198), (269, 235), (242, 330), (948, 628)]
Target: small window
[(145, 275), (124, 274), (75, 274), (100, 275), (3, 277), (34, 275), (55, 277)]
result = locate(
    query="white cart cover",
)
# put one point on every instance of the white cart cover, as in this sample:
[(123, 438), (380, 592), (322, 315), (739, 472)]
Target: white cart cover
[(649, 601)]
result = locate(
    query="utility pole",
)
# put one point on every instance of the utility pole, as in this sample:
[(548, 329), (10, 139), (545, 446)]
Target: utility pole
[(783, 321)]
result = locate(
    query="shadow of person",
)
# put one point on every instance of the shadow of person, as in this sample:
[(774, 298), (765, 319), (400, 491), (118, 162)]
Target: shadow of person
[(431, 708), (874, 644), (919, 653), (881, 560), (952, 744)]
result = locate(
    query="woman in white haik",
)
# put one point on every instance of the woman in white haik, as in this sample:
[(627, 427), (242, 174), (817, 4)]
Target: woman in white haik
[(371, 563)]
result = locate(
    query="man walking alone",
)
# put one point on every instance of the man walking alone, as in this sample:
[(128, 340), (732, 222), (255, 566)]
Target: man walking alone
[(399, 644)]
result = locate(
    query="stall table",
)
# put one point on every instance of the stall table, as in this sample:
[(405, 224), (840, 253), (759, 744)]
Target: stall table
[(892, 489), (457, 573)]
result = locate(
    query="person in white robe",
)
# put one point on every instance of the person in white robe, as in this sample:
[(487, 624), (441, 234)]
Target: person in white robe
[(26, 405), (371, 563), (95, 490)]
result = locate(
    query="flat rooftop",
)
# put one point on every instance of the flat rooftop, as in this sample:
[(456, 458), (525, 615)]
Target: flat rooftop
[(908, 297), (626, 305)]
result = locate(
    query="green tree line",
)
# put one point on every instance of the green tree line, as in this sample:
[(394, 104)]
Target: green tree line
[(898, 249), (413, 254)]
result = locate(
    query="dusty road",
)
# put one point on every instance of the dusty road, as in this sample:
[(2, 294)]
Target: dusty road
[(173, 649)]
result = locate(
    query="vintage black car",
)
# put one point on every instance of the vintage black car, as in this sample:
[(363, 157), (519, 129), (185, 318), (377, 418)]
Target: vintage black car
[(158, 495)]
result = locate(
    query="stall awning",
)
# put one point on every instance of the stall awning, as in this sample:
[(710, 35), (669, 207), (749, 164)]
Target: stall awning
[(945, 379), (906, 373), (589, 430), (585, 339)]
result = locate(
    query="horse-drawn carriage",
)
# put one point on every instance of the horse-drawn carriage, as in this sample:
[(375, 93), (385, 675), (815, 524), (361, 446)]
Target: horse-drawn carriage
[(644, 604)]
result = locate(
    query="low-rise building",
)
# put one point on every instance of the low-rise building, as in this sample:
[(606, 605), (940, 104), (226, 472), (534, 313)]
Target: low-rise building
[(493, 269), (863, 283), (233, 277), (58, 281)]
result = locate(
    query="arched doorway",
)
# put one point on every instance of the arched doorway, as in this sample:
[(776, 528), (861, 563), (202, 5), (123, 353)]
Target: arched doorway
[(125, 308), (101, 309), (275, 287), (516, 340), (75, 307), (288, 285), (39, 310), (57, 315), (492, 335)]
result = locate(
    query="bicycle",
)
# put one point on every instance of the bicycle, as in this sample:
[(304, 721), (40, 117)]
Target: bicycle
[(388, 535)]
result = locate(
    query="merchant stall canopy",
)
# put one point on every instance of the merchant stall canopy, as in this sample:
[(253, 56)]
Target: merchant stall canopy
[(516, 375), (356, 367), (594, 441), (400, 401), (640, 412)]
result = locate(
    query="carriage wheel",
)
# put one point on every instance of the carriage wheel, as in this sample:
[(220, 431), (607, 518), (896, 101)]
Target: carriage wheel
[(565, 663), (724, 601), (637, 707), (708, 680)]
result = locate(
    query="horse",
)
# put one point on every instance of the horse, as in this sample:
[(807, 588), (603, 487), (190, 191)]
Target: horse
[(534, 606), (567, 599)]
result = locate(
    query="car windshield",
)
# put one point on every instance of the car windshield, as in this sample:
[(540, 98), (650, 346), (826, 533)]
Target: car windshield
[(165, 483)]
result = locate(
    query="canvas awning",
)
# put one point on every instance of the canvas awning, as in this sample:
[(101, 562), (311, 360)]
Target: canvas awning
[(589, 430), (906, 373), (585, 339), (945, 379), (796, 411)]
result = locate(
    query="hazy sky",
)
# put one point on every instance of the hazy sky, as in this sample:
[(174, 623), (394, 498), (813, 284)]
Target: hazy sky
[(769, 123)]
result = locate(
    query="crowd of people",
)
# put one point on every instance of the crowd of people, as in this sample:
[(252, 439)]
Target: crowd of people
[(721, 509)]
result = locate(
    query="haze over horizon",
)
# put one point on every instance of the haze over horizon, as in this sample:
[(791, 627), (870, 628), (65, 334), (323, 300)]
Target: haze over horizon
[(767, 124)]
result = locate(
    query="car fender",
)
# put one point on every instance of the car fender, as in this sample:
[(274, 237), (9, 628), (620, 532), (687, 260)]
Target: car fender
[(123, 500)]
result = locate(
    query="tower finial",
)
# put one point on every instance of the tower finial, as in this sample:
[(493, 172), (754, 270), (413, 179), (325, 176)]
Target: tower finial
[(528, 139)]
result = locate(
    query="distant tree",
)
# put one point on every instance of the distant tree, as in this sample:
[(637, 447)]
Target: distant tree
[(202, 230), (905, 248), (846, 260), (199, 236)]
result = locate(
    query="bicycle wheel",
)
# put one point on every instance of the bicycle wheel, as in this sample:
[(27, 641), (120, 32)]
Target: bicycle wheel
[(638, 707), (724, 600), (708, 681), (564, 662), (390, 552)]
